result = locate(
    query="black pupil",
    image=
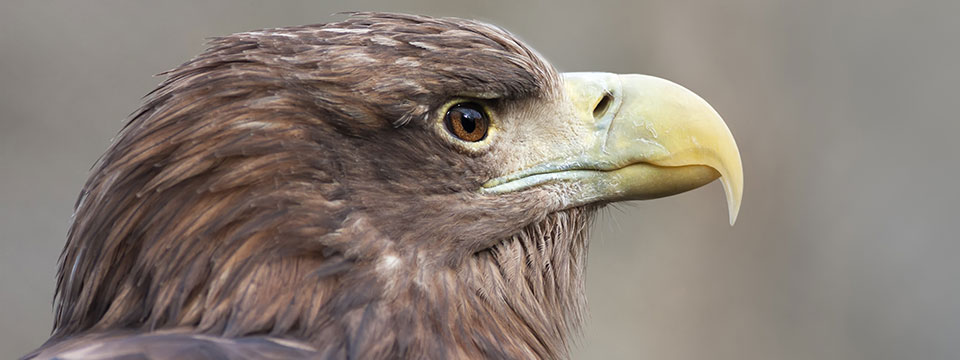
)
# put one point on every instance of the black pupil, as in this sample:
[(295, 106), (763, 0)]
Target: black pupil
[(468, 125), (468, 119)]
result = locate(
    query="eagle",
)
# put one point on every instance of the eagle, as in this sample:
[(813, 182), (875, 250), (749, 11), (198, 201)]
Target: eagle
[(388, 186)]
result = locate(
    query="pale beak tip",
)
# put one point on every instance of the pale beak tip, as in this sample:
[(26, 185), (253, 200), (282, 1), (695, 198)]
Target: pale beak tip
[(734, 210), (734, 196)]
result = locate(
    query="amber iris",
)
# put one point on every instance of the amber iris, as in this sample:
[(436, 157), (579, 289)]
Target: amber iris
[(467, 121)]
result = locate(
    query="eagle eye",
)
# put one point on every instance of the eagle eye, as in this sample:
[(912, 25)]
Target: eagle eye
[(468, 121)]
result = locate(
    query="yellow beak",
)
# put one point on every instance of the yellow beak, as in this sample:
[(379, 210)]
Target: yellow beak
[(647, 138)]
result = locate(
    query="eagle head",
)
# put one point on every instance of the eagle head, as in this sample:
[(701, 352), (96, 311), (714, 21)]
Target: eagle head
[(388, 186)]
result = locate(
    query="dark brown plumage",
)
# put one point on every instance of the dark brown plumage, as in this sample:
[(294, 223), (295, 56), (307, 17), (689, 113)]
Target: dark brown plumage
[(288, 193)]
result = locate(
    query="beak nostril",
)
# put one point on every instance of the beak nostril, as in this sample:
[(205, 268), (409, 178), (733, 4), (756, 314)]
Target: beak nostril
[(602, 105)]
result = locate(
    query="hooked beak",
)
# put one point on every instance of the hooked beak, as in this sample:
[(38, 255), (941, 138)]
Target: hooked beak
[(647, 138)]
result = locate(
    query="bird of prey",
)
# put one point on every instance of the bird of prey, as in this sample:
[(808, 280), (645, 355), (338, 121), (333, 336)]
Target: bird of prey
[(384, 187)]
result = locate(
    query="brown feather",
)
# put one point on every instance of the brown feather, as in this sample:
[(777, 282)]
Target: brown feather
[(285, 184)]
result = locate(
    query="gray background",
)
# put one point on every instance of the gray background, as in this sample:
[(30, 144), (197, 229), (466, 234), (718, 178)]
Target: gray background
[(845, 113)]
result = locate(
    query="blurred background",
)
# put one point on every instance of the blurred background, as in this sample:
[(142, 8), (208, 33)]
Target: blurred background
[(846, 114)]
